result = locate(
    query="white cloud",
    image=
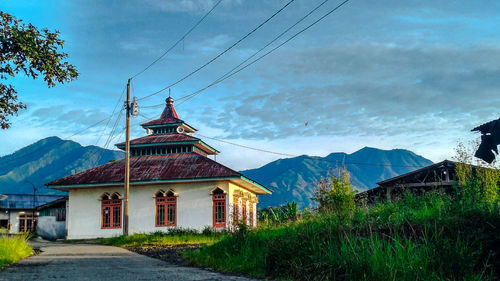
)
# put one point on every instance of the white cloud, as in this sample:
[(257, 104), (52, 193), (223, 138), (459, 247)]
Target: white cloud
[(195, 6)]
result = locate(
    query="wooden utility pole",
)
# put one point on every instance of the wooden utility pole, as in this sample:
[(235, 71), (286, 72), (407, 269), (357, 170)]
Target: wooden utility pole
[(127, 161)]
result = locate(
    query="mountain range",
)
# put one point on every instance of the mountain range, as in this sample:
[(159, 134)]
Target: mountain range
[(292, 179), (46, 160)]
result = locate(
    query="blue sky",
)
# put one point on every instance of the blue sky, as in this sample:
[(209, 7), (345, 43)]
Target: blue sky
[(416, 75)]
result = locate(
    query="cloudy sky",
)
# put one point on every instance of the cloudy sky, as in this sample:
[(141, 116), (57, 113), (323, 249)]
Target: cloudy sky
[(416, 75)]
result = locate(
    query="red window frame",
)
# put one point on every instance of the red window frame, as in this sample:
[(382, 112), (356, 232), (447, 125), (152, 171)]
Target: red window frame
[(111, 213), (219, 210), (166, 211), (244, 211), (251, 213), (236, 209)]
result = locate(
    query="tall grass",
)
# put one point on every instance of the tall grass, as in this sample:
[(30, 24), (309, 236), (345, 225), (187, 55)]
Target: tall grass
[(174, 236), (433, 237), (13, 248)]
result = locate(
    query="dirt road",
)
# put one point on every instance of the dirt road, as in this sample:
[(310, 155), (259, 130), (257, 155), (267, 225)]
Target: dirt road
[(61, 261)]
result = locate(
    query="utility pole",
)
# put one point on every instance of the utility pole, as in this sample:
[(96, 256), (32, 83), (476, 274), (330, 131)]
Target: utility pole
[(127, 160)]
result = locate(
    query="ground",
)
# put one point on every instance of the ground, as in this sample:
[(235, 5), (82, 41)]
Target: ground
[(65, 261)]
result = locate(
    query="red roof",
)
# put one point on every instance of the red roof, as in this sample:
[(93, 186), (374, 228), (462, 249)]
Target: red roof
[(168, 116), (151, 168), (161, 139)]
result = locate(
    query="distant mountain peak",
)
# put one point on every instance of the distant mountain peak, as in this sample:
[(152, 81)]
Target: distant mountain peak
[(293, 179), (49, 159)]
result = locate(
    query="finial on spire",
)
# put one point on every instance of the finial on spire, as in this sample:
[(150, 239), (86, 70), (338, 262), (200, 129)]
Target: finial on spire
[(168, 92), (169, 100)]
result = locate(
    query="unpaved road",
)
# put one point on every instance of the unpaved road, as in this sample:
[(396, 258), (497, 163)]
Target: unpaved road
[(60, 261)]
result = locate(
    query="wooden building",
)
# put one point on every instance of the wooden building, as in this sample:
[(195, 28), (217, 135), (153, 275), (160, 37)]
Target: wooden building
[(436, 176)]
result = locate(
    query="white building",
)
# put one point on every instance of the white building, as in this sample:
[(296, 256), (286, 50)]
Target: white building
[(20, 212), (173, 183)]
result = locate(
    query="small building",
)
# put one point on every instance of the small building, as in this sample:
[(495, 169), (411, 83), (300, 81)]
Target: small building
[(441, 175), (19, 213), (52, 219), (173, 183)]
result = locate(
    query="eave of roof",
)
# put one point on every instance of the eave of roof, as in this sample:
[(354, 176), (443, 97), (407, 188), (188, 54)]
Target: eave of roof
[(188, 167), (445, 162)]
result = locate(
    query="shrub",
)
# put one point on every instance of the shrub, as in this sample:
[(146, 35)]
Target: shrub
[(14, 248), (336, 195)]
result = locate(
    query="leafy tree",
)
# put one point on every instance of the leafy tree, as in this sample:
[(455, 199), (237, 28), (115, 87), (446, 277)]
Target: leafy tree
[(335, 194), (25, 49)]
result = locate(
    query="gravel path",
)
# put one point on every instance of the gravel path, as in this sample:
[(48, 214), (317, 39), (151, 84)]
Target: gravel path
[(61, 261)]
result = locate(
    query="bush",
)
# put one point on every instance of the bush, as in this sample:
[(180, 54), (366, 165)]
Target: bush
[(13, 248), (336, 195), (171, 236), (416, 238)]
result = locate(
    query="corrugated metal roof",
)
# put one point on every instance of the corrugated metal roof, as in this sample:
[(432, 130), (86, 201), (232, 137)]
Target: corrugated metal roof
[(160, 139), (169, 138), (152, 168), (25, 201)]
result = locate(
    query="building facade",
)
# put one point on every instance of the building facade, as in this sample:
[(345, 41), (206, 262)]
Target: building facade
[(19, 212), (173, 183)]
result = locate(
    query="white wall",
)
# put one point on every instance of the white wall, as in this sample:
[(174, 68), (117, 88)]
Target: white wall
[(14, 218), (194, 208), (234, 189), (49, 228), (83, 214)]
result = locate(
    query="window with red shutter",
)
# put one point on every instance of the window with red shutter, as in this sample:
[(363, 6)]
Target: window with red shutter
[(219, 208), (166, 209), (111, 211)]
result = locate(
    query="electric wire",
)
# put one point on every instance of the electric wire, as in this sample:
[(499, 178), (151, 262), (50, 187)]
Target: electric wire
[(110, 137), (294, 155), (178, 41), (55, 143), (220, 54), (114, 110), (190, 96), (232, 72)]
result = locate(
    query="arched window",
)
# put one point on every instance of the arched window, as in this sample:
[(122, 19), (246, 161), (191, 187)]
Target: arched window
[(251, 213), (219, 208), (166, 209), (244, 210), (111, 211), (236, 209)]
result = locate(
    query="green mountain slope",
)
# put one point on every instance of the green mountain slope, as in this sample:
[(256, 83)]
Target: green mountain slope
[(46, 160), (294, 179)]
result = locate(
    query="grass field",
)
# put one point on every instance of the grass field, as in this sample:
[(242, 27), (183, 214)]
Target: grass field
[(427, 238), (13, 248)]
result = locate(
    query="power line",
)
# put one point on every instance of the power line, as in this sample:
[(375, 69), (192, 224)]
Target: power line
[(58, 142), (248, 147), (294, 155), (220, 54), (114, 110), (110, 137), (231, 73), (178, 41)]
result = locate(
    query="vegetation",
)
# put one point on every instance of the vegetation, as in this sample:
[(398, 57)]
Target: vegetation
[(13, 249), (32, 52), (173, 236), (433, 237), (276, 215)]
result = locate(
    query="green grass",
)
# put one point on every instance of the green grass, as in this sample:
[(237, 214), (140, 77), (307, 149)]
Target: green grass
[(428, 238), (13, 248), (174, 236)]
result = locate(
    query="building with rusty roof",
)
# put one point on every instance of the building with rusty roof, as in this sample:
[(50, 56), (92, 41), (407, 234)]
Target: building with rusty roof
[(173, 183)]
